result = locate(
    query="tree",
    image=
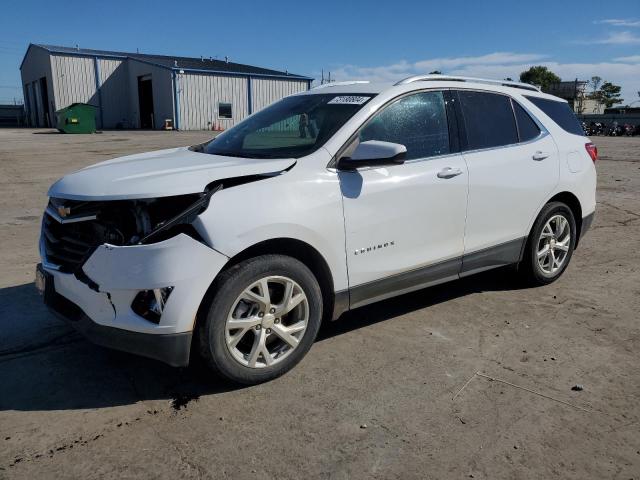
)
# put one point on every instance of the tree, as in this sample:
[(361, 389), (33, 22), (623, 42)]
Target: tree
[(595, 83), (608, 95), (435, 72), (540, 76)]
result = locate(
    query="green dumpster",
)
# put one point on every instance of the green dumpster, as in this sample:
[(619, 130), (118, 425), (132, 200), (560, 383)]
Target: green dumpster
[(77, 118)]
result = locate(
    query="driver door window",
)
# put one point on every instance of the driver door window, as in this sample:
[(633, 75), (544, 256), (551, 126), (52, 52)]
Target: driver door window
[(419, 122)]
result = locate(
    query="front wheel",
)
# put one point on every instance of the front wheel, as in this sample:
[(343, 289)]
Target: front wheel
[(262, 320), (550, 244)]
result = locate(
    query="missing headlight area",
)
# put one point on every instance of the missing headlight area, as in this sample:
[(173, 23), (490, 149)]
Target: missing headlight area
[(70, 240), (73, 229)]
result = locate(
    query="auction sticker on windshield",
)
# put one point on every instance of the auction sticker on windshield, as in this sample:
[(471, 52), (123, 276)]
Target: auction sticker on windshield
[(348, 100)]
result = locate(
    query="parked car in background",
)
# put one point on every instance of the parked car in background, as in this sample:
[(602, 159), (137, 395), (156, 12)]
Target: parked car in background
[(239, 248)]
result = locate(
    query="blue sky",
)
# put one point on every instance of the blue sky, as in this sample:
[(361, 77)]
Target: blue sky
[(353, 40)]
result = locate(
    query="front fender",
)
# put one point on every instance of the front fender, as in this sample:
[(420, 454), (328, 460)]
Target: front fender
[(303, 204)]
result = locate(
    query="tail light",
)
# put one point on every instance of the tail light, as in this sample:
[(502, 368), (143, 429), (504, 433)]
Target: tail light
[(592, 150)]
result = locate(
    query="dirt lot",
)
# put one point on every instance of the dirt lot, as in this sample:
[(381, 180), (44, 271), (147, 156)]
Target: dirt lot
[(389, 391)]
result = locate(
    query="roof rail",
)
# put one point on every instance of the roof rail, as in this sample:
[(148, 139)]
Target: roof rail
[(334, 84), (453, 78)]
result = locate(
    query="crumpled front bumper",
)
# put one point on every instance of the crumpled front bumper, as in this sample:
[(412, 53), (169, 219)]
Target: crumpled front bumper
[(114, 275)]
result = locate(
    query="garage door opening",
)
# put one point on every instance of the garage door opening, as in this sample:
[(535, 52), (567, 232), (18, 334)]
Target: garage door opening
[(44, 91), (145, 100)]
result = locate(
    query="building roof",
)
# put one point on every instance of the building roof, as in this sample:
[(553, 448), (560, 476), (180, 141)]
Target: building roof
[(175, 62)]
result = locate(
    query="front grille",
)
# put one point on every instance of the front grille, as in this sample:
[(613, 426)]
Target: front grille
[(68, 244)]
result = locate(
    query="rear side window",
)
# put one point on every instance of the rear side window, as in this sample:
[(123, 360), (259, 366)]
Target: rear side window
[(527, 128), (560, 112), (419, 122), (488, 120)]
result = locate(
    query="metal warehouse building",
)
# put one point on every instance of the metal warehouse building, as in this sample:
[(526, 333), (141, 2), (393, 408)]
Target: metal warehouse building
[(134, 90)]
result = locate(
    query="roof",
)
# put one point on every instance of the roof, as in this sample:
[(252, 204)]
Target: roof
[(175, 62), (428, 81), (356, 86)]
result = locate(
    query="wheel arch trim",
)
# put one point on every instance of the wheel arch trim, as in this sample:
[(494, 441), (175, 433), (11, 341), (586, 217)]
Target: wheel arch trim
[(572, 201), (303, 251)]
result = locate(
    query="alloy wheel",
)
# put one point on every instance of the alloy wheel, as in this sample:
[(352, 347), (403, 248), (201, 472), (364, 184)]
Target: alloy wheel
[(553, 244), (267, 322)]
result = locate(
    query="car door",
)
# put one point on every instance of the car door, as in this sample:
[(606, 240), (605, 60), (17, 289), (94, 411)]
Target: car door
[(404, 224), (513, 167)]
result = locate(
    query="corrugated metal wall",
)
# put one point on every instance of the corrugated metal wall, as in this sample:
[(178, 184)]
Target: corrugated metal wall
[(114, 93), (37, 64), (200, 95), (74, 80), (266, 91)]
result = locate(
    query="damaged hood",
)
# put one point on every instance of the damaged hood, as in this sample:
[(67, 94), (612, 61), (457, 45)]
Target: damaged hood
[(163, 173)]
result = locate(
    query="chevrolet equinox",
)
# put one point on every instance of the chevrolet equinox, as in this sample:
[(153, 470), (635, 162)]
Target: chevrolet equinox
[(325, 201)]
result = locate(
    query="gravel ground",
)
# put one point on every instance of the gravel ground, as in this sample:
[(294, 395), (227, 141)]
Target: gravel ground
[(471, 379)]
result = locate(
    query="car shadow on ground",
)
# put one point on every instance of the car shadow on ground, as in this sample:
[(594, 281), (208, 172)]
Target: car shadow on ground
[(45, 365)]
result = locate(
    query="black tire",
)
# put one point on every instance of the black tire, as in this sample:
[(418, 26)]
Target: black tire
[(229, 285), (530, 270)]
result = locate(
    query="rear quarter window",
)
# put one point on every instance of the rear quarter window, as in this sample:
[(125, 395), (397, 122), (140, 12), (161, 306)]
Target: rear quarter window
[(488, 119), (527, 128), (559, 112)]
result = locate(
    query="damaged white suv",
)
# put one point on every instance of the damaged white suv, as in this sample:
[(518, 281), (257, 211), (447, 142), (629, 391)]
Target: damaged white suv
[(325, 201)]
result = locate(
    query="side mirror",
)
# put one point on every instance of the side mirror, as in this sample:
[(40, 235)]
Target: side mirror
[(374, 153)]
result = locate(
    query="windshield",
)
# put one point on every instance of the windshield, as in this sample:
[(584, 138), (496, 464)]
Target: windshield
[(291, 128)]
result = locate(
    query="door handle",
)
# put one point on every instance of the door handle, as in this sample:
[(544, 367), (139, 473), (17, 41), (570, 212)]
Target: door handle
[(449, 172), (540, 155)]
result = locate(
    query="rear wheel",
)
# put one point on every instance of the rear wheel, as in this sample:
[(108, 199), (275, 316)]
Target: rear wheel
[(550, 244), (262, 320)]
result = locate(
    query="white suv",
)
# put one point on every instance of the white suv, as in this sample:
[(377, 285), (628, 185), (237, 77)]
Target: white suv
[(325, 201)]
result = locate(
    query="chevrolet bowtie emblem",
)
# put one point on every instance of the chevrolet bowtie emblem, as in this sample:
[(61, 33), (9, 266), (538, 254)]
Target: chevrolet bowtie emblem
[(64, 211)]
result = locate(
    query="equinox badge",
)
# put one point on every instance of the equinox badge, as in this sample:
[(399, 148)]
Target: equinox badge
[(360, 251)]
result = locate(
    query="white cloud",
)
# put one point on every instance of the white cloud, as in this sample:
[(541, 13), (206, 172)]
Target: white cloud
[(623, 71), (497, 58), (613, 38), (405, 69), (620, 22)]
